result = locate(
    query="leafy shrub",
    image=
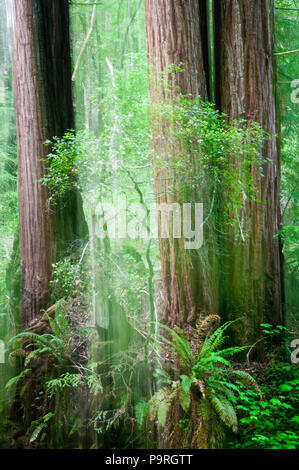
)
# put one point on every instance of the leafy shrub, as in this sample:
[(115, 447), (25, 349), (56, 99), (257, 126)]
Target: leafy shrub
[(212, 153), (270, 422), (61, 166), (68, 279)]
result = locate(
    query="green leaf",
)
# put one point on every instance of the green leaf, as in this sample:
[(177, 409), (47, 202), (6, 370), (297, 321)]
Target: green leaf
[(186, 383), (185, 400), (285, 388), (15, 379), (162, 412), (141, 411), (37, 431)]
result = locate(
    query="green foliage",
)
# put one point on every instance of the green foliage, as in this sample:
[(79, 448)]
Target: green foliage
[(17, 378), (287, 39), (209, 371), (160, 404), (290, 197), (58, 344), (269, 329), (65, 380), (38, 425), (61, 166), (270, 422), (114, 151), (68, 279), (48, 389), (141, 411), (213, 153)]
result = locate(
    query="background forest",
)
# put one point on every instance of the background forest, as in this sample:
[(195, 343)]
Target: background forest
[(135, 342)]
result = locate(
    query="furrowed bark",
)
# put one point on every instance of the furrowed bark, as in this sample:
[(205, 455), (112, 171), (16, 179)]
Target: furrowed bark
[(253, 272), (176, 36), (43, 102)]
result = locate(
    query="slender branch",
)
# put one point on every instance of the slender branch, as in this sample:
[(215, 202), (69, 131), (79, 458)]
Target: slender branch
[(93, 16), (281, 8), (286, 52), (83, 253), (86, 4), (251, 348), (148, 257), (240, 227), (127, 31)]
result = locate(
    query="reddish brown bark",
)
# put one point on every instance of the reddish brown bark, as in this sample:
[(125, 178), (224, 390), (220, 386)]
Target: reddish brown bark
[(34, 219), (252, 284), (176, 36), (43, 102)]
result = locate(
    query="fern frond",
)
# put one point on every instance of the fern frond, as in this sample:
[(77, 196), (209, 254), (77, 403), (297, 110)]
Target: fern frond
[(229, 352), (54, 327), (225, 410), (245, 379), (214, 358), (37, 431), (15, 379), (181, 339), (159, 405), (141, 411), (215, 340), (223, 389), (180, 345)]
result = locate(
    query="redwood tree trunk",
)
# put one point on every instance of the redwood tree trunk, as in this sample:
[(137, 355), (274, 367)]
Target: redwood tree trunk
[(43, 102), (252, 282), (176, 36)]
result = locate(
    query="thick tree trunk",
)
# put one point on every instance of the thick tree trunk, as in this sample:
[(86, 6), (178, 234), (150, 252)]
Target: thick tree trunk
[(176, 36), (34, 218), (51, 21), (43, 102), (252, 267)]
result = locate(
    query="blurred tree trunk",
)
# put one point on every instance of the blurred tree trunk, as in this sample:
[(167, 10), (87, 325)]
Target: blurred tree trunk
[(252, 266), (177, 37), (176, 41), (43, 102)]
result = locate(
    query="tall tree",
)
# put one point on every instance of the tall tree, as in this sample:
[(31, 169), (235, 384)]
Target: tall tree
[(242, 278), (43, 103), (252, 263), (178, 55), (176, 41)]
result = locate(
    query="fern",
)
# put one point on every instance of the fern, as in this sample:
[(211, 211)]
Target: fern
[(180, 345), (35, 353), (57, 344), (141, 411), (65, 380), (224, 409), (41, 424), (159, 405), (211, 372), (214, 341), (14, 380), (245, 379)]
